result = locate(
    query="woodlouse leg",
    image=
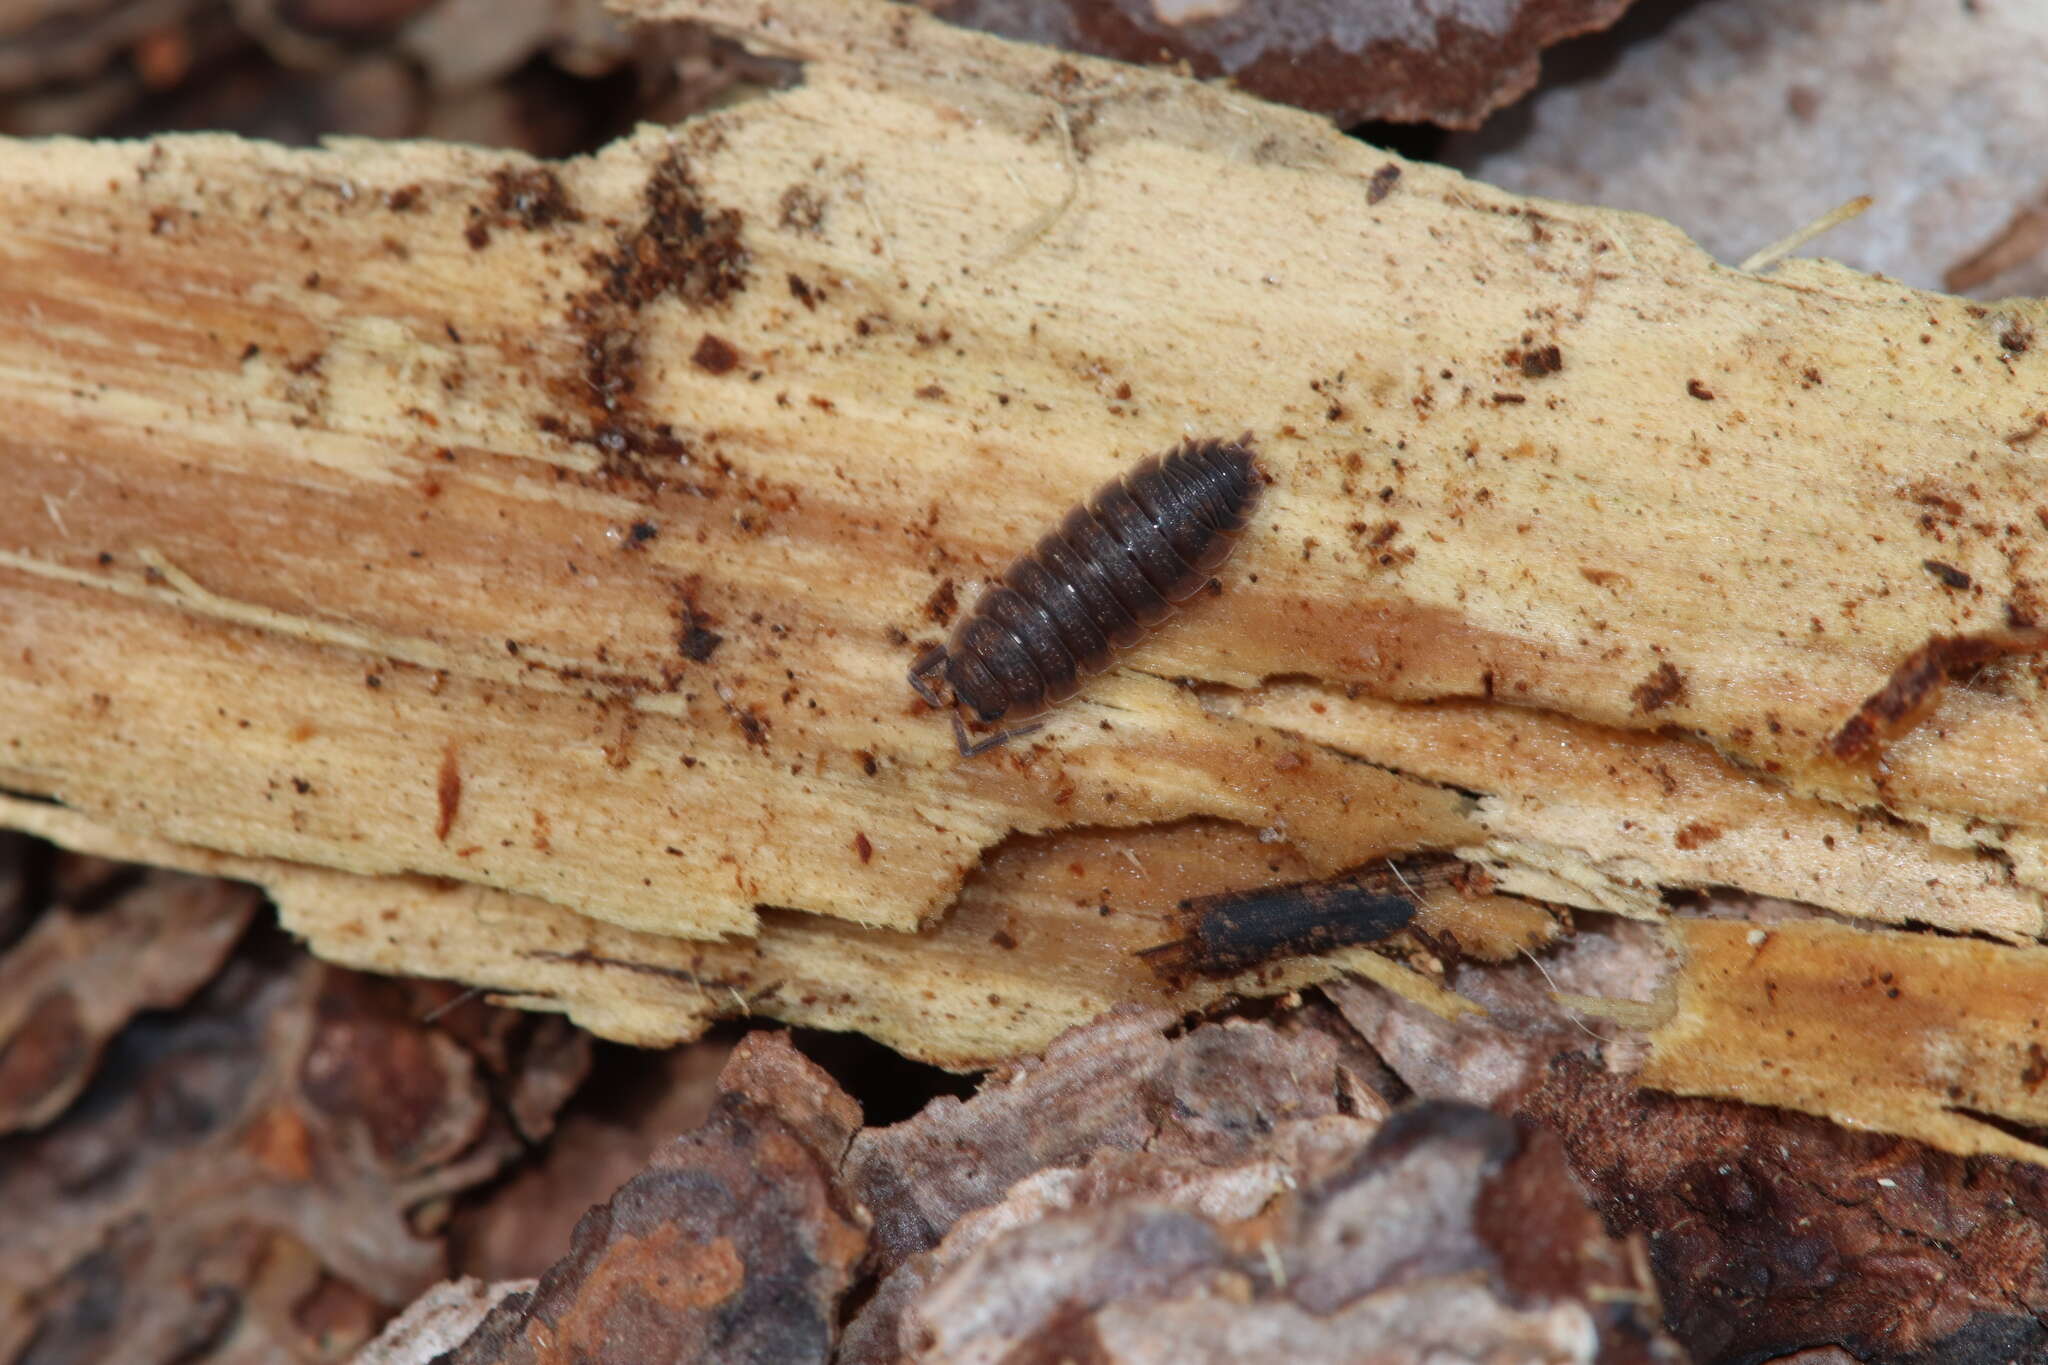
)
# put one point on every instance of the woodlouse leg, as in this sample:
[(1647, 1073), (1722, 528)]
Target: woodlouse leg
[(928, 664), (969, 748)]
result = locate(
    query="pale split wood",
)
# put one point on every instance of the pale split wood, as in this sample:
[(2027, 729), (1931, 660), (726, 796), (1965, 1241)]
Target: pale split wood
[(322, 550), (1044, 940), (1610, 819), (411, 630), (1931, 1037)]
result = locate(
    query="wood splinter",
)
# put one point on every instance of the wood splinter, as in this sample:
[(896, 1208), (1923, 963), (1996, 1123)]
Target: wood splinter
[(1914, 687)]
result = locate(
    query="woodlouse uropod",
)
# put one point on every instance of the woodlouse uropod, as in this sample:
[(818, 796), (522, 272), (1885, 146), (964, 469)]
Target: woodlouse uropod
[(1111, 570)]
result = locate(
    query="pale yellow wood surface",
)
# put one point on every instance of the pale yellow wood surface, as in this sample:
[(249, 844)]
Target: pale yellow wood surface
[(284, 601), (1903, 1032)]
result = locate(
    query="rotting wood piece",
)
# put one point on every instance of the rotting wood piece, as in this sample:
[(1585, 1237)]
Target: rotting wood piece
[(388, 355), (1938, 1039), (726, 421), (1045, 937)]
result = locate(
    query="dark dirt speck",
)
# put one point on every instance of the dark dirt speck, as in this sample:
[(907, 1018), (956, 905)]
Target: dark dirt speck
[(1660, 689), (802, 210), (1948, 574), (530, 197), (1538, 361), (684, 247), (715, 355)]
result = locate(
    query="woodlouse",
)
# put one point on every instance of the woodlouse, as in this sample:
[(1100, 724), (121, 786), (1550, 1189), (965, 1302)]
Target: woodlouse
[(1236, 931), (1112, 570)]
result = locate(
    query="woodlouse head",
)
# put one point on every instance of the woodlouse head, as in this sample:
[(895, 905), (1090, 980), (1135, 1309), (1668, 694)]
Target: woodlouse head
[(977, 691)]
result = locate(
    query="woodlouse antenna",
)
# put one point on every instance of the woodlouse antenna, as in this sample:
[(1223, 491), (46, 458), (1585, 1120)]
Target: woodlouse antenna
[(928, 665)]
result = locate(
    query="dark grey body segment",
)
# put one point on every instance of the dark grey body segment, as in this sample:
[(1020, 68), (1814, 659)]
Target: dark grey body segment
[(1237, 931), (1112, 570)]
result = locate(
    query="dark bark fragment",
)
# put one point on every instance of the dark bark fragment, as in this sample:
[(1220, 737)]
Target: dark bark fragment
[(1452, 1234), (252, 1164), (1771, 1231), (76, 978), (1119, 1084), (1220, 1121), (1402, 61), (734, 1245)]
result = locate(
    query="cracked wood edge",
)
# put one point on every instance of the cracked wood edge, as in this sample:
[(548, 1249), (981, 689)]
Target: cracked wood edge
[(1935, 1038), (1045, 938), (1905, 1033), (1610, 819)]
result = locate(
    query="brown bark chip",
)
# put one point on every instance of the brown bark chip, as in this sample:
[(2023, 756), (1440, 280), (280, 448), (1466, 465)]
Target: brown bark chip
[(76, 979), (1218, 1122), (734, 1245), (633, 1104), (255, 1170), (1452, 1234), (1220, 1223), (1118, 1084), (1772, 1231)]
